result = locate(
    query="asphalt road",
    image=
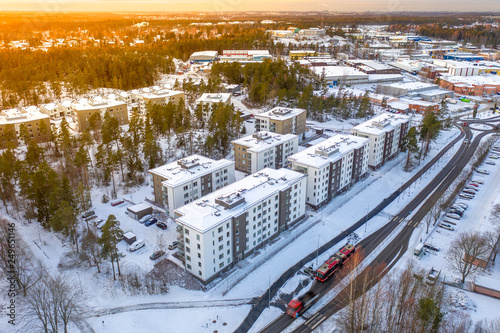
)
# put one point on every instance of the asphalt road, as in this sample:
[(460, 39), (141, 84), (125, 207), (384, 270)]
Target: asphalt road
[(263, 302), (398, 246)]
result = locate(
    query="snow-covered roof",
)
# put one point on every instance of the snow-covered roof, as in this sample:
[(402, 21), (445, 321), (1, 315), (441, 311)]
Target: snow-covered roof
[(152, 94), (204, 54), (49, 106), (187, 169), (381, 124), (473, 80), (412, 85), (96, 103), (339, 72), (214, 98), (17, 116), (234, 199), (489, 282), (263, 140), (330, 150), (280, 113), (139, 207)]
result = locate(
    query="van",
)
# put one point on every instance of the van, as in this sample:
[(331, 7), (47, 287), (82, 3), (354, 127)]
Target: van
[(418, 249), (453, 216), (136, 245)]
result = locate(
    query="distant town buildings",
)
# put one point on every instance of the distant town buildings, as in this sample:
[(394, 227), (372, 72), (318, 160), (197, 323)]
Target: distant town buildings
[(180, 182), (226, 226), (263, 150)]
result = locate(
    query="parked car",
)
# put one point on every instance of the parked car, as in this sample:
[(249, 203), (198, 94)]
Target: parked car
[(442, 225), (462, 204), (474, 184), (161, 225), (465, 190), (173, 245), (97, 222), (490, 163), (151, 221), (494, 156), (431, 247), (145, 218), (466, 196), (477, 181), (88, 214), (117, 202), (482, 171), (457, 207), (138, 244), (156, 255), (453, 216), (470, 187), (101, 225), (456, 211)]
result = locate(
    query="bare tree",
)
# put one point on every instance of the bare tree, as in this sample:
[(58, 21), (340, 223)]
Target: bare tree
[(485, 326), (495, 215), (428, 220), (464, 252), (492, 242), (91, 250), (456, 323)]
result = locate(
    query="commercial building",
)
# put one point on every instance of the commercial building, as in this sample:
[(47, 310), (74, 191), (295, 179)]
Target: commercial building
[(245, 55), (150, 96), (178, 183), (37, 124), (341, 75), (423, 106), (282, 121), (203, 56), (410, 66), (224, 227), (462, 56), (484, 85), (400, 89), (331, 166), (312, 32), (371, 67), (297, 55), (85, 108), (262, 150), (385, 132)]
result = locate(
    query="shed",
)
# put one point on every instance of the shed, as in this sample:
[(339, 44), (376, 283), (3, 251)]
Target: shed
[(139, 210), (129, 237)]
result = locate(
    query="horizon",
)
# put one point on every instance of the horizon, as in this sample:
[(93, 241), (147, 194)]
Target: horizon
[(207, 6)]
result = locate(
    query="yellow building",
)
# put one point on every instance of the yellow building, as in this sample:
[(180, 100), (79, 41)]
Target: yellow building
[(85, 108), (36, 123)]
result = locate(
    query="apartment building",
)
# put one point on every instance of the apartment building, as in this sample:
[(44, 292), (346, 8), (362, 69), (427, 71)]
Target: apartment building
[(37, 124), (83, 109), (209, 100), (224, 227), (263, 149), (331, 166), (386, 133), (150, 96), (282, 121), (180, 182)]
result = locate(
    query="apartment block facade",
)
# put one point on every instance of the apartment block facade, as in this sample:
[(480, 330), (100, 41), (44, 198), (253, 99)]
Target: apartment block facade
[(83, 109), (180, 182), (163, 97), (37, 124), (331, 166), (224, 227), (282, 121), (386, 133), (263, 149)]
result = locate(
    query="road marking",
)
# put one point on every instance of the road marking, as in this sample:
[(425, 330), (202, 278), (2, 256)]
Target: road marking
[(322, 319), (312, 318)]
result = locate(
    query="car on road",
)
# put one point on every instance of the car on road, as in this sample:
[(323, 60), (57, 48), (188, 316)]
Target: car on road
[(482, 171), (466, 141), (478, 181), (453, 216), (156, 255), (145, 218), (161, 225), (465, 124), (151, 221), (88, 214), (138, 244), (173, 245), (446, 226), (431, 247), (117, 202), (490, 163)]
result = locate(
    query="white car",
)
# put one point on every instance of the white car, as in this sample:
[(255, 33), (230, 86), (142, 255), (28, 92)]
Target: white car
[(490, 163), (145, 218), (453, 216), (477, 181), (446, 226), (460, 208), (461, 204), (138, 244), (484, 172), (469, 187)]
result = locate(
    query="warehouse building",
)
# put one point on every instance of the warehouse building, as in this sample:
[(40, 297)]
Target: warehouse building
[(203, 57)]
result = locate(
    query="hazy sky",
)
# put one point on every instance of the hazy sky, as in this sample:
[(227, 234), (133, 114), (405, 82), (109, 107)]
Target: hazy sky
[(244, 5)]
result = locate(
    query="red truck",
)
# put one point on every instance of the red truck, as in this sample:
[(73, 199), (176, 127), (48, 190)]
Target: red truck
[(296, 307)]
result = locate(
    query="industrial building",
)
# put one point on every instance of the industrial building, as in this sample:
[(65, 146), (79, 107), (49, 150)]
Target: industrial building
[(282, 121), (371, 67), (484, 85), (331, 166), (203, 56), (226, 226), (180, 182), (263, 150), (245, 56), (386, 133)]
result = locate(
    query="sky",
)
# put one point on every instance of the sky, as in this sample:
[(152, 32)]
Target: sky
[(246, 5)]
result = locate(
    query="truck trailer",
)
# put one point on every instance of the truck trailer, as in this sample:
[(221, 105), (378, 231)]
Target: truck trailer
[(297, 307)]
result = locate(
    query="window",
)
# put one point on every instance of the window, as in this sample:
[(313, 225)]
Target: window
[(221, 238), (221, 265), (199, 264), (199, 273), (186, 188), (188, 258), (221, 247), (221, 256), (197, 237), (188, 266), (186, 231), (199, 255), (187, 240), (188, 250)]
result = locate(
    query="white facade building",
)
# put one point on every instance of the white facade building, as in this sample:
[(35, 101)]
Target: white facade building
[(178, 183), (385, 132), (264, 149), (331, 166), (221, 228)]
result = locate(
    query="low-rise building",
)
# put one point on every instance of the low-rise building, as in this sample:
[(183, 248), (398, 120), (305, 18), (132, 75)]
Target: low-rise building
[(424, 106), (262, 150), (331, 166), (224, 227), (36, 123), (282, 121), (178, 183), (371, 67), (51, 110), (386, 133), (85, 108), (484, 85), (152, 96), (204, 56), (400, 89)]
